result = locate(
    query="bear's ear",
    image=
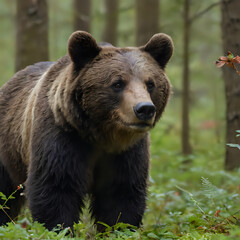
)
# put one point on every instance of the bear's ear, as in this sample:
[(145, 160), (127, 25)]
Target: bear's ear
[(160, 47), (82, 48)]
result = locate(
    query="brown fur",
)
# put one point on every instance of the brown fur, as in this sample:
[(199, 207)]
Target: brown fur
[(74, 102), (16, 100)]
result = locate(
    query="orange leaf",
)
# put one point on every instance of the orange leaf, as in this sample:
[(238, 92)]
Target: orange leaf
[(222, 60), (236, 59), (217, 213), (219, 63)]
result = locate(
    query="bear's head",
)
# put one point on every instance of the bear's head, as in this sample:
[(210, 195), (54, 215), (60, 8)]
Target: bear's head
[(120, 92)]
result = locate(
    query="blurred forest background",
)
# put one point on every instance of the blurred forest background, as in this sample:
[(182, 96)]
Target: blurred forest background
[(189, 143)]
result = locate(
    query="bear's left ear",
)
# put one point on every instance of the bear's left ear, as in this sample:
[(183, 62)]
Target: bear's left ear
[(160, 47), (82, 48)]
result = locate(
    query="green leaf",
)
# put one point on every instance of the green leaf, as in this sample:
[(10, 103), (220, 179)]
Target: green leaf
[(11, 197), (153, 236), (230, 55), (104, 224), (3, 196), (234, 145), (238, 131)]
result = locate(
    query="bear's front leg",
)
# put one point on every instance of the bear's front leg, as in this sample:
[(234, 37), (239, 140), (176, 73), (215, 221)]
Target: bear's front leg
[(56, 182), (120, 185)]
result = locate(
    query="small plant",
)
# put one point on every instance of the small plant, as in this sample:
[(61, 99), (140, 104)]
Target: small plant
[(6, 199), (229, 60), (216, 215)]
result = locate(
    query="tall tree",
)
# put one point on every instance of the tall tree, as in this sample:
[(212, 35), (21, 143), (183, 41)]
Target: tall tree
[(82, 15), (111, 21), (231, 42), (188, 21), (32, 32), (147, 20), (186, 148)]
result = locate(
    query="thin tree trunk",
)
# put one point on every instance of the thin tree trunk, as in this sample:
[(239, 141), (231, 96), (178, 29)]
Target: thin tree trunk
[(32, 32), (147, 20), (111, 21), (186, 147), (82, 15), (231, 42)]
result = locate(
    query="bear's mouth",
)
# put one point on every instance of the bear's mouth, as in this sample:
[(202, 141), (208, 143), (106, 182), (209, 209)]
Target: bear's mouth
[(142, 126)]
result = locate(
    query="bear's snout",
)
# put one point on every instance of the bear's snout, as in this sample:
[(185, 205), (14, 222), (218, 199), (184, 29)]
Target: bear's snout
[(144, 111)]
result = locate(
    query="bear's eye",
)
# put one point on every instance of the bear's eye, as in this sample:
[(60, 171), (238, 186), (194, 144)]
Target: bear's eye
[(118, 85), (150, 85)]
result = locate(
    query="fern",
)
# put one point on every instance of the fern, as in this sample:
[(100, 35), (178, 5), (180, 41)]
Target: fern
[(192, 199), (212, 192)]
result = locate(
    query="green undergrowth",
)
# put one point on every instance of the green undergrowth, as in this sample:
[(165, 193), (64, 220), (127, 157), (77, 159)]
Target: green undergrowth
[(175, 211), (189, 198)]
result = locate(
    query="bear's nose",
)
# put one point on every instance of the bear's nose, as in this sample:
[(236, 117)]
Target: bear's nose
[(144, 110)]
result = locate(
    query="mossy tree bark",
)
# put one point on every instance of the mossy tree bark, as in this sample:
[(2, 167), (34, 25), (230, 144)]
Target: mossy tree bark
[(186, 147), (231, 42), (147, 20), (188, 20), (82, 15), (111, 22), (32, 32)]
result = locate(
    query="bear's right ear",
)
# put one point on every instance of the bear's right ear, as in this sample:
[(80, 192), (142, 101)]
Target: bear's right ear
[(160, 47), (82, 48)]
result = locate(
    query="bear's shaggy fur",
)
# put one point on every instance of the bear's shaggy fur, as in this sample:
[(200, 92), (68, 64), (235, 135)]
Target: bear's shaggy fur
[(80, 126)]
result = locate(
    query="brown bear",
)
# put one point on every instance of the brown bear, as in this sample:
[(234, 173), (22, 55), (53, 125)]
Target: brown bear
[(80, 126)]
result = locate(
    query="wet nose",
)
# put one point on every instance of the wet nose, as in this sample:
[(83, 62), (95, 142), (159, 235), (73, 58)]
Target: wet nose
[(144, 110)]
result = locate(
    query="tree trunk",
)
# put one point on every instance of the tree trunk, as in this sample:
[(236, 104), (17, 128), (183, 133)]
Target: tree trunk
[(147, 20), (231, 42), (111, 24), (186, 147), (32, 32), (82, 15)]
